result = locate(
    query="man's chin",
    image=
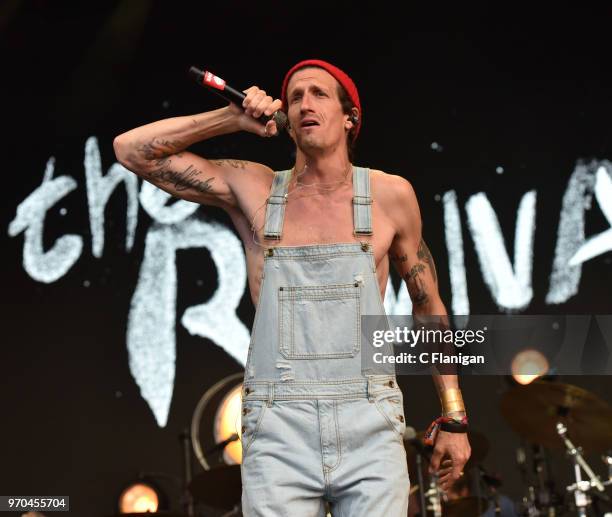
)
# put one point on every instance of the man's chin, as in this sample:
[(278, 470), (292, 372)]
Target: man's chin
[(310, 143)]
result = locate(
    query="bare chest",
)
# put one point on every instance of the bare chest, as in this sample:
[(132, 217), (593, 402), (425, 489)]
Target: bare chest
[(314, 219)]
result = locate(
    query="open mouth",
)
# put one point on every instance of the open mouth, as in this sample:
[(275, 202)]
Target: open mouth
[(309, 123)]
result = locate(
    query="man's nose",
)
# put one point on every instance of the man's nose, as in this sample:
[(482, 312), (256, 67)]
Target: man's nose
[(305, 104)]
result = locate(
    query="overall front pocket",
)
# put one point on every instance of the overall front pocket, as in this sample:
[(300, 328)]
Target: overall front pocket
[(390, 404), (319, 322)]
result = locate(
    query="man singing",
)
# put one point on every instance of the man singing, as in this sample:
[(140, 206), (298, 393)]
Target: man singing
[(316, 425)]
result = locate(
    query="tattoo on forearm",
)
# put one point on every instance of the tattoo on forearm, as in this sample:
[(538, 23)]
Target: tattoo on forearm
[(182, 180), (236, 164), (159, 148), (424, 254)]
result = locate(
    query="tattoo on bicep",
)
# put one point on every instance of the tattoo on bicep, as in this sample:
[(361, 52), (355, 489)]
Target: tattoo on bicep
[(158, 148), (415, 284), (398, 258), (424, 254), (182, 180), (236, 164)]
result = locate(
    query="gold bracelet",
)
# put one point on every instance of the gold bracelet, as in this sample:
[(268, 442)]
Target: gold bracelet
[(453, 408), (451, 400)]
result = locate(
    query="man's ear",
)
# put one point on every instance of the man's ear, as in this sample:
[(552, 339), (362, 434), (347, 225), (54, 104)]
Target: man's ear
[(353, 118)]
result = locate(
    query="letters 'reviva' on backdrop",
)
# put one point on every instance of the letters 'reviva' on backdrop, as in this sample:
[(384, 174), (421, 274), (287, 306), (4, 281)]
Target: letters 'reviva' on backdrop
[(151, 328)]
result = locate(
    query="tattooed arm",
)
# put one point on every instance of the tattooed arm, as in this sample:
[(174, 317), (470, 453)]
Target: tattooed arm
[(413, 261), (157, 151), (409, 253)]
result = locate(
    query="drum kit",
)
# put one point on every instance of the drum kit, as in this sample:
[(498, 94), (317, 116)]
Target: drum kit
[(548, 416), (555, 416)]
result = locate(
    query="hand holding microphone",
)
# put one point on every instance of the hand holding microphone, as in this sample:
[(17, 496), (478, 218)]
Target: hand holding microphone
[(257, 112), (261, 107)]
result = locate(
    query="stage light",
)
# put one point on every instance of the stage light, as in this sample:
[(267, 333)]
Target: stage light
[(139, 497), (219, 411), (227, 423), (528, 365)]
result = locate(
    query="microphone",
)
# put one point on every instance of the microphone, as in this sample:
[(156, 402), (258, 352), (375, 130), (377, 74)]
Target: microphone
[(221, 445), (410, 436), (221, 88)]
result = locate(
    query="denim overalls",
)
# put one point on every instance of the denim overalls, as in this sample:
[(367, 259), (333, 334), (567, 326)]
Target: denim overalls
[(315, 424)]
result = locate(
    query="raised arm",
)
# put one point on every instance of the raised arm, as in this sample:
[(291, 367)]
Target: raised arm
[(413, 261), (157, 151)]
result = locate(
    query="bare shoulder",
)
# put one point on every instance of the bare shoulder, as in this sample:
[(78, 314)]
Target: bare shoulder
[(257, 170), (392, 191), (250, 184), (254, 180), (242, 172), (395, 196), (244, 179)]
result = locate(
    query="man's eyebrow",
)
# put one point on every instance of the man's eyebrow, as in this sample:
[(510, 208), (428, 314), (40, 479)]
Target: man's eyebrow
[(312, 87), (318, 87)]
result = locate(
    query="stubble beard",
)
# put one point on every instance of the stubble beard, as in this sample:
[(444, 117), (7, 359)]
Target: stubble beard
[(309, 143)]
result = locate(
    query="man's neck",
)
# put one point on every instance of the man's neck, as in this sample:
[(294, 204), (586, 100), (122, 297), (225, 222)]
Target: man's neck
[(321, 168)]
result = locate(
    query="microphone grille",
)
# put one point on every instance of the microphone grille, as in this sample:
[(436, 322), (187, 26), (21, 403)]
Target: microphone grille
[(410, 433), (281, 120)]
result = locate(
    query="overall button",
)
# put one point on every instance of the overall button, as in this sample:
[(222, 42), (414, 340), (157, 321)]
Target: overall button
[(251, 419)]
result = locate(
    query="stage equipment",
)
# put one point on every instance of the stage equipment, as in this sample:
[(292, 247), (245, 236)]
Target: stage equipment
[(555, 416), (226, 421), (464, 506), (528, 365), (221, 485), (140, 496), (533, 411)]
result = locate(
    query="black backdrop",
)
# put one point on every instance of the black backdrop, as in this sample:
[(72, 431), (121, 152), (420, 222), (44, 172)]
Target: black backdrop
[(74, 422)]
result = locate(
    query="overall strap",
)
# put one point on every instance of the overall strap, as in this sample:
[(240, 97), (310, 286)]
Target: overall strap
[(275, 205), (362, 201)]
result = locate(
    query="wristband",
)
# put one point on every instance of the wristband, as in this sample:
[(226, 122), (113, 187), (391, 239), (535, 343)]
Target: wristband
[(447, 424), (454, 426)]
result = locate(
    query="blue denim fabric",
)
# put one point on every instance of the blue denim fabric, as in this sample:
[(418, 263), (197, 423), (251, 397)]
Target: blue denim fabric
[(316, 426)]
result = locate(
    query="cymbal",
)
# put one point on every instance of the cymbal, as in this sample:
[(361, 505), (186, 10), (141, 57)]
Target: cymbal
[(219, 487), (465, 506), (534, 410), (478, 443)]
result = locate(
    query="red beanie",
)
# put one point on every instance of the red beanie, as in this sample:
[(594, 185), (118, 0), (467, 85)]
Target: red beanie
[(346, 82)]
